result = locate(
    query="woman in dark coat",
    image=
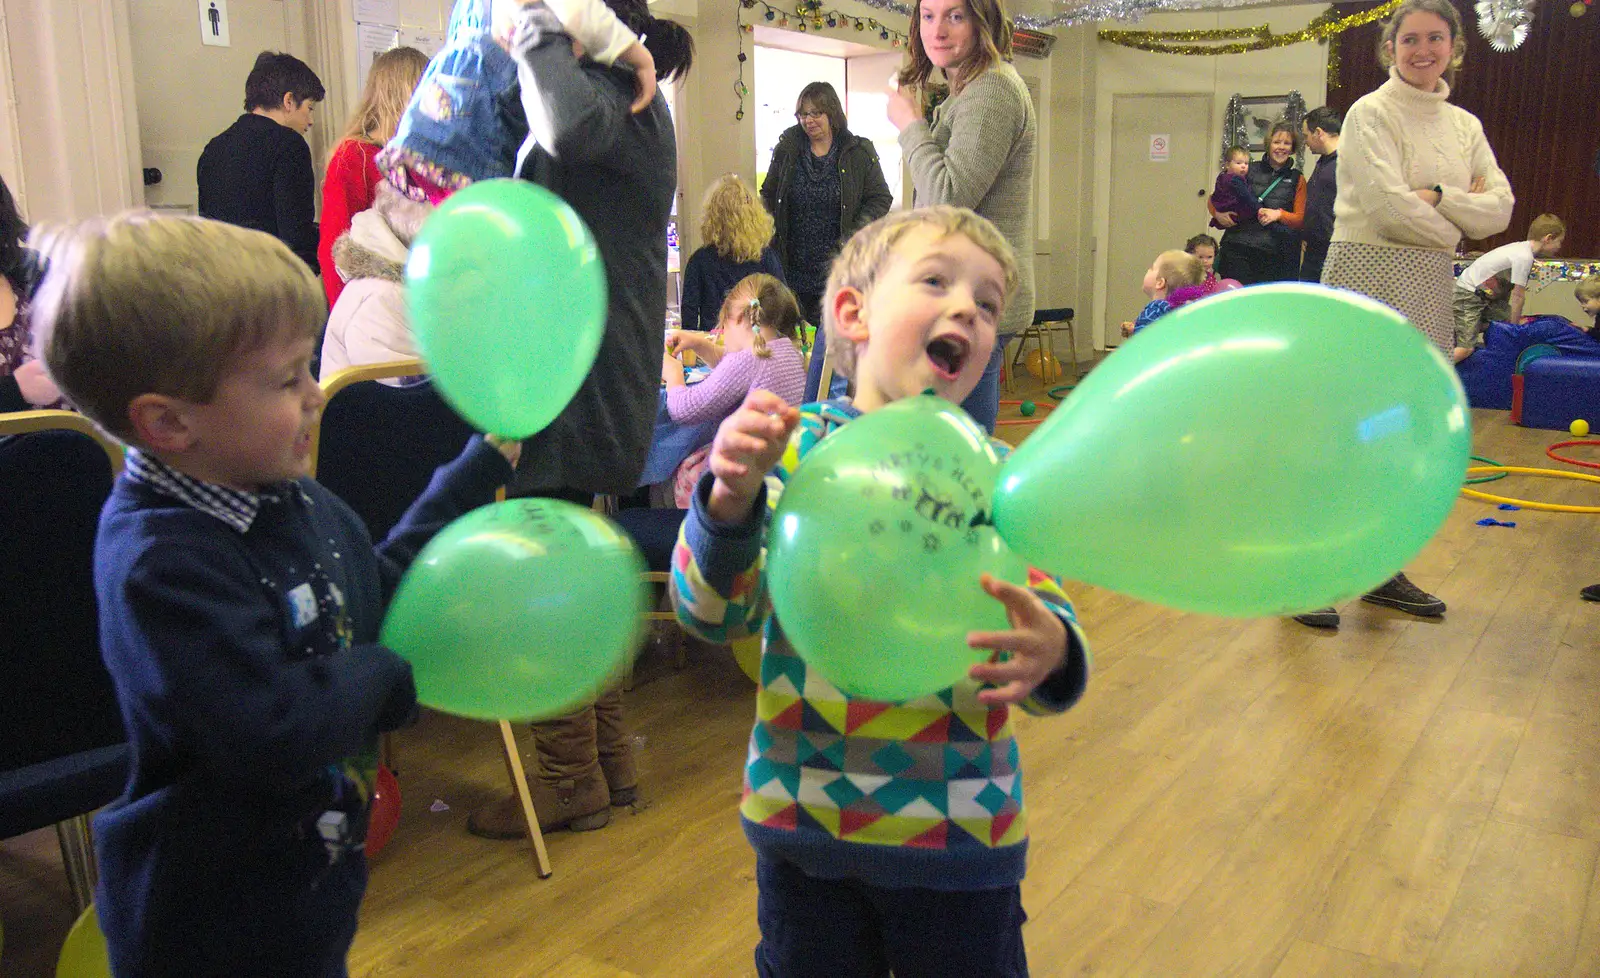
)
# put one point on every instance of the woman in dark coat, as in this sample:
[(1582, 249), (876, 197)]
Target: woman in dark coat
[(823, 185), (618, 170)]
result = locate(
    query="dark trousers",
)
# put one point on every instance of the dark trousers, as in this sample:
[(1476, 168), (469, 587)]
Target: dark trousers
[(817, 928), (1252, 266), (1311, 261)]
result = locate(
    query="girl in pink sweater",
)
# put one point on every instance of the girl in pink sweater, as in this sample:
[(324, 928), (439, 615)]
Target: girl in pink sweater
[(759, 326)]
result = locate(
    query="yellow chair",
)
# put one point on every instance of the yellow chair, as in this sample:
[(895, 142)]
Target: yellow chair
[(1042, 331)]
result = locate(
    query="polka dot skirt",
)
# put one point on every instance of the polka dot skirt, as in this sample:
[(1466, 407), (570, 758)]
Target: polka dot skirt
[(1415, 282)]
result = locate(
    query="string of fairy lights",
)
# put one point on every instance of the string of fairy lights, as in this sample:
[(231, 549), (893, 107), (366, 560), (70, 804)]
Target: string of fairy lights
[(806, 16)]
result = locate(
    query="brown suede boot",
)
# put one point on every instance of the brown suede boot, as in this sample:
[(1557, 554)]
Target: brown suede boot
[(569, 790), (616, 749)]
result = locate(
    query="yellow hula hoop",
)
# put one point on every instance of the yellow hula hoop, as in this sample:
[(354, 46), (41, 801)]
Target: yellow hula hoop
[(1528, 504)]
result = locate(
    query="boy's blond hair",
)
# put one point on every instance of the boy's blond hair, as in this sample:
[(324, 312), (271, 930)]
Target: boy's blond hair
[(1179, 268), (1546, 226), (868, 250), (141, 304), (1588, 287)]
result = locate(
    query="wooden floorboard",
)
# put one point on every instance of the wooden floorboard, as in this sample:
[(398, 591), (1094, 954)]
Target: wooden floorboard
[(1396, 799)]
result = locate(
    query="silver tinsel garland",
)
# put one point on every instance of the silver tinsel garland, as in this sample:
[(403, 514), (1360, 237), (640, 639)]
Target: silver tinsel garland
[(1087, 11)]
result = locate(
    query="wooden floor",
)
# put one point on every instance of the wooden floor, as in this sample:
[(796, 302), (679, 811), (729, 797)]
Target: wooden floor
[(1244, 798)]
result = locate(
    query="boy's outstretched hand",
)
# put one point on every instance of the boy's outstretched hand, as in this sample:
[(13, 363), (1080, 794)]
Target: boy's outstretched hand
[(511, 448), (1037, 643), (748, 444)]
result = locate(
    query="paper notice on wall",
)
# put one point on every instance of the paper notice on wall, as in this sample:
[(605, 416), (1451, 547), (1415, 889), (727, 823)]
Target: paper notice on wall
[(214, 23), (377, 11), (428, 42), (1160, 148), (371, 41)]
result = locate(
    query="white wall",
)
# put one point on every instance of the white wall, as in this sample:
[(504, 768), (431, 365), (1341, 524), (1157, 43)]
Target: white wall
[(1121, 70), (68, 132)]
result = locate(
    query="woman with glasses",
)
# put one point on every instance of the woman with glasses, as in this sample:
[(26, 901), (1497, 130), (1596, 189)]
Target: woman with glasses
[(824, 184)]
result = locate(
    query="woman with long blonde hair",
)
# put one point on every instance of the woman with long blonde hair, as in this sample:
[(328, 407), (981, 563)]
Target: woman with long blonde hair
[(352, 178), (736, 230), (976, 148)]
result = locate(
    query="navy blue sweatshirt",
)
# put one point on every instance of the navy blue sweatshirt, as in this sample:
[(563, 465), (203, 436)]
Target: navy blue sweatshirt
[(253, 689), (709, 276), (1320, 192)]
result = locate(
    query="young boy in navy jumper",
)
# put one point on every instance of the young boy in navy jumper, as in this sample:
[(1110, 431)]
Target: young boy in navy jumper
[(879, 847), (239, 601)]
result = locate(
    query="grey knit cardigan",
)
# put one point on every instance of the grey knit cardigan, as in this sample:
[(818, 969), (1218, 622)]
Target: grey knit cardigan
[(978, 153)]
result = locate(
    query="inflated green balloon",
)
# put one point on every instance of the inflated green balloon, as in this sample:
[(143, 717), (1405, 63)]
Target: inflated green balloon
[(84, 954), (522, 610), (507, 297), (1260, 452), (873, 557)]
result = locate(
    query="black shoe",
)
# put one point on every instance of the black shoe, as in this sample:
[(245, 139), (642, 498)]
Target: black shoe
[(1400, 593), (1591, 593), (1321, 618)]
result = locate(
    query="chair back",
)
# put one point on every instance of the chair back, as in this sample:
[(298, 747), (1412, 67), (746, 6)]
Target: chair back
[(377, 446), (55, 693)]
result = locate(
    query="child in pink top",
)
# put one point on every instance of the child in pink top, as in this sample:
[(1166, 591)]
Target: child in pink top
[(759, 327)]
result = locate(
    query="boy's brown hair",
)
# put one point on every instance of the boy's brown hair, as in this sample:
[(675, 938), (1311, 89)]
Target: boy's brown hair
[(868, 250), (1546, 226), (142, 304), (1179, 268), (1588, 287)]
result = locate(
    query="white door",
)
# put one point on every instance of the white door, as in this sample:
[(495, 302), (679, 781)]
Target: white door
[(188, 92), (1161, 172)]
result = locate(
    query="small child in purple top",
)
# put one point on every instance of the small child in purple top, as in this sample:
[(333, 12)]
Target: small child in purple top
[(759, 325), (1233, 194)]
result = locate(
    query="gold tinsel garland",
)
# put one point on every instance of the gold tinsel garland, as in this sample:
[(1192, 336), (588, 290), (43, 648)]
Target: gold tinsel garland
[(1325, 28)]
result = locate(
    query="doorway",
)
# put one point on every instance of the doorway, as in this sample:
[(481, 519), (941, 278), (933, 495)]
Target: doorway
[(1160, 176)]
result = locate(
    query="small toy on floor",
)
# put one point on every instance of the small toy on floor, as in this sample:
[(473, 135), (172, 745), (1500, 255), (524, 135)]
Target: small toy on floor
[(1489, 521), (1579, 428)]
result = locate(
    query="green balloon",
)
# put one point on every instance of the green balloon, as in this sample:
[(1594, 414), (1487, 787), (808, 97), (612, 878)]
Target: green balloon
[(507, 297), (521, 610), (84, 953), (1260, 452), (873, 556)]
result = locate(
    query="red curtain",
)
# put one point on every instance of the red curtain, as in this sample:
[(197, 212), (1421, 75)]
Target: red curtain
[(1539, 105)]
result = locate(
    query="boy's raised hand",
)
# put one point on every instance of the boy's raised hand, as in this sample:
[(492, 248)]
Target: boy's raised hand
[(1037, 643), (748, 444)]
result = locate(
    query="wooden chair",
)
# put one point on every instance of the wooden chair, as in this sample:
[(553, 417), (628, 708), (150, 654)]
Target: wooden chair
[(1042, 331), (655, 531), (63, 749), (376, 447)]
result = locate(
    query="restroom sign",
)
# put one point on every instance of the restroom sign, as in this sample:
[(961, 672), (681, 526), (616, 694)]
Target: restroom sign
[(1160, 147), (214, 23)]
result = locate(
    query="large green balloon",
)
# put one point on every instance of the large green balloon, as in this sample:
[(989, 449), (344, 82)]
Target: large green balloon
[(1261, 452), (84, 954), (507, 297), (522, 610), (873, 557)]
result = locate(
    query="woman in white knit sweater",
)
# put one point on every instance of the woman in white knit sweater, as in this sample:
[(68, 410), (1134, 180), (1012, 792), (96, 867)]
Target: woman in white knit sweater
[(1415, 175), (977, 151)]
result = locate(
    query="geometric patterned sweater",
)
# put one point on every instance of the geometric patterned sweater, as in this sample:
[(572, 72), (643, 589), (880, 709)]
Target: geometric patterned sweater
[(925, 793)]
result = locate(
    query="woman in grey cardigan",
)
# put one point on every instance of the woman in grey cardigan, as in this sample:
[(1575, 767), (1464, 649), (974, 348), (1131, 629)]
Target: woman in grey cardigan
[(977, 151)]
